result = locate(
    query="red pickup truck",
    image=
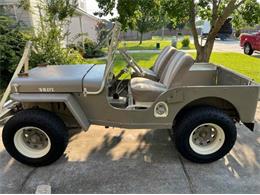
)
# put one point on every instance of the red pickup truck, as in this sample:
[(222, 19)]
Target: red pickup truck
[(250, 42)]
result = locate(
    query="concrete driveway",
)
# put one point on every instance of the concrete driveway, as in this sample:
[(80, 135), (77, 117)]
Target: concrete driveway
[(137, 161), (227, 46)]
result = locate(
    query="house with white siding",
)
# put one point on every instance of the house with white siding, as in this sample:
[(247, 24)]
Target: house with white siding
[(80, 23), (84, 23)]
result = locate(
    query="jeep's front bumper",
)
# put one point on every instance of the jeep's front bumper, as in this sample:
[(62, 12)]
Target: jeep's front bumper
[(7, 111)]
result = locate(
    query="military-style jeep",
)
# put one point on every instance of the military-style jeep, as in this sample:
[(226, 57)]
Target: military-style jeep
[(200, 103)]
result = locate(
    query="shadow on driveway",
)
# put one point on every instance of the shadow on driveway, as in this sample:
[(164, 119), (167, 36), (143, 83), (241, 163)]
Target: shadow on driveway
[(136, 161)]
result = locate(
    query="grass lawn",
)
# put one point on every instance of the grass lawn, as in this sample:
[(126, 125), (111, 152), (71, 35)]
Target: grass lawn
[(247, 65), (144, 59), (150, 44)]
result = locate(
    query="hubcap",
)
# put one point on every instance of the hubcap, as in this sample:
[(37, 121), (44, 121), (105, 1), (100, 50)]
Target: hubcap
[(247, 49), (207, 138), (32, 142)]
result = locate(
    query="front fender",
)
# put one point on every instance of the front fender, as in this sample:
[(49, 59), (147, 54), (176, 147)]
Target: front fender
[(68, 99)]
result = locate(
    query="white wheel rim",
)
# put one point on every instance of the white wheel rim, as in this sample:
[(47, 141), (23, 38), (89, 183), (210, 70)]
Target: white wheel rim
[(207, 139), (32, 142)]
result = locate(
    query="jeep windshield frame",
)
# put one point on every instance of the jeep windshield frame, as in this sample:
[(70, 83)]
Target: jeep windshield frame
[(112, 40)]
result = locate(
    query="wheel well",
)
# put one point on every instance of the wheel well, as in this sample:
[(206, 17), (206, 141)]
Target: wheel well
[(219, 103), (58, 108), (248, 43)]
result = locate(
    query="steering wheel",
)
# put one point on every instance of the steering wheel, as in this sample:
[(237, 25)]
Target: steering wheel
[(131, 63)]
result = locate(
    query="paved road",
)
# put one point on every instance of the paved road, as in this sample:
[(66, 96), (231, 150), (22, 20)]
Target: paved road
[(136, 161), (219, 46), (227, 46)]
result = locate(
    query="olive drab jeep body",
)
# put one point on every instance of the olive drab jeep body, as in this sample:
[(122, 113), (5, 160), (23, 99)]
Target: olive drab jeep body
[(199, 102)]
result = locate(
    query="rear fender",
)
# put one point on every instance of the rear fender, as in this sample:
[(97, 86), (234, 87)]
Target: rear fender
[(68, 99)]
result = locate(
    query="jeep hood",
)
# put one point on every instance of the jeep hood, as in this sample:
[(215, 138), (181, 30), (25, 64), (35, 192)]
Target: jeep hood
[(59, 78)]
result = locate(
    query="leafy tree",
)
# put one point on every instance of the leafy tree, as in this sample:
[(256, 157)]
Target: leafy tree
[(49, 35), (246, 16), (216, 11), (141, 15), (176, 25), (173, 24), (147, 16)]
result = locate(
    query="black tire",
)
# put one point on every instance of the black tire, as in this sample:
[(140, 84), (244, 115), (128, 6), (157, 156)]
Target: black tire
[(47, 122), (248, 50), (197, 116)]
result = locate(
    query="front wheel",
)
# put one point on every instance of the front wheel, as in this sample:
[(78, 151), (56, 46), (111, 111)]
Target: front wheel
[(35, 137), (204, 135), (248, 49)]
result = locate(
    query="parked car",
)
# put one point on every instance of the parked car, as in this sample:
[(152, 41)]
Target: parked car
[(200, 103), (250, 43), (224, 33)]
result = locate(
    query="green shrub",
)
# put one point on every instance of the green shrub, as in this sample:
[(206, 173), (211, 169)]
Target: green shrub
[(179, 33), (186, 41), (74, 57), (90, 49), (65, 56), (12, 42)]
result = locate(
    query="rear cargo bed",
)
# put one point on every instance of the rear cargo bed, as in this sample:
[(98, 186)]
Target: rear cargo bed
[(206, 74)]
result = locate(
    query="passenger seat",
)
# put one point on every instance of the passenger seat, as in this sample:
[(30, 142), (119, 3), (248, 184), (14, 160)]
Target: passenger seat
[(146, 90), (160, 64)]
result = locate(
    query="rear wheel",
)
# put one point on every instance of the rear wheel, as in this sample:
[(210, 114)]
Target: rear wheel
[(204, 135), (248, 50), (35, 137)]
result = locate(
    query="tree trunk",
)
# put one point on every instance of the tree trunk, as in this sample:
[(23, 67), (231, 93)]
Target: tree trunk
[(204, 52), (163, 29), (141, 38)]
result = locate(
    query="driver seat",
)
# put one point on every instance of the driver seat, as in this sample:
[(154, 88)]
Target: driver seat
[(160, 64), (146, 90)]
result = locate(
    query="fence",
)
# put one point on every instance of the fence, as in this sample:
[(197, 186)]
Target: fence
[(135, 36)]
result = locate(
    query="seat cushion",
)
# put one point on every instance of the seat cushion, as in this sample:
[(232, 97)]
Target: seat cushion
[(149, 74), (171, 64), (145, 90), (177, 70), (159, 65), (162, 60)]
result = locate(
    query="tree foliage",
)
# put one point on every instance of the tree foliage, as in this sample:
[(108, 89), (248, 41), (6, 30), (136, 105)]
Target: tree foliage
[(147, 16), (49, 35), (140, 15), (247, 15)]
